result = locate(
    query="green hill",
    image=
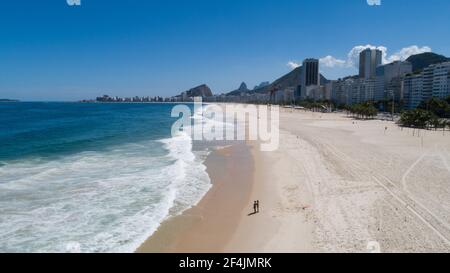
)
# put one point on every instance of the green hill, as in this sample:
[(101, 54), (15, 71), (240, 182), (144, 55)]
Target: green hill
[(420, 61), (291, 79)]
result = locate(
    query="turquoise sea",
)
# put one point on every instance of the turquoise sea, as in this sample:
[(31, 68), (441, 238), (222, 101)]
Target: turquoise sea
[(92, 177)]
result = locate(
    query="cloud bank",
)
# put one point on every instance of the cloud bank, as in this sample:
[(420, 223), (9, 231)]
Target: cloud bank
[(330, 61), (353, 55), (352, 60), (404, 53), (293, 65)]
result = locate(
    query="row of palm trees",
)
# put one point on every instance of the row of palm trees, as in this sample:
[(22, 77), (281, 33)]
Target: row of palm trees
[(423, 119), (439, 107), (363, 111)]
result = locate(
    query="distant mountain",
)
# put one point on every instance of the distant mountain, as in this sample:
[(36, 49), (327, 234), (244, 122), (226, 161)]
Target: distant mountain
[(242, 89), (291, 79), (199, 91), (420, 61), (8, 100)]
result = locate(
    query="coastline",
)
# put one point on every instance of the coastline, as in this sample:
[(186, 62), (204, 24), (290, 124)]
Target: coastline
[(223, 220), (208, 226), (334, 185)]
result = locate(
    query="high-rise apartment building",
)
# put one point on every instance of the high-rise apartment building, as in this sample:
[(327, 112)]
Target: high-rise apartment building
[(434, 81), (441, 84), (388, 80), (412, 90), (310, 76), (369, 59)]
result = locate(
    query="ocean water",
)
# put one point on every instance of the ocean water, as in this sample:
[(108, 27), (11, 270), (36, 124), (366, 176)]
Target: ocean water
[(92, 177)]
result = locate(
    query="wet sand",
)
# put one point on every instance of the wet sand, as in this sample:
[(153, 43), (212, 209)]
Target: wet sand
[(209, 226), (334, 185)]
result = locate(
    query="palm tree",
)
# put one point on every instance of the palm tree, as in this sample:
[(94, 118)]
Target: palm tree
[(418, 118)]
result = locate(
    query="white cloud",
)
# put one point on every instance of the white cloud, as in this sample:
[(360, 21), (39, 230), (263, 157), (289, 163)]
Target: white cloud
[(334, 67), (293, 64), (404, 53), (353, 55), (330, 61)]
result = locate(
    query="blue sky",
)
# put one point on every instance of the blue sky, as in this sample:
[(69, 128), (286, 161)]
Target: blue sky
[(52, 51)]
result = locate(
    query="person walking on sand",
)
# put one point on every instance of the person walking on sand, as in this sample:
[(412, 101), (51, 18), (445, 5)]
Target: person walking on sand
[(255, 207)]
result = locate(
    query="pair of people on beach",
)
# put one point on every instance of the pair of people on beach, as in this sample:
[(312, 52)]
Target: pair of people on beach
[(256, 206)]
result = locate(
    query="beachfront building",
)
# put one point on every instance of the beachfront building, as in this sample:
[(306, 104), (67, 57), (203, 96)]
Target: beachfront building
[(362, 88), (255, 98), (352, 90), (310, 78), (336, 91), (393, 90), (380, 84), (412, 90), (289, 94), (328, 87), (367, 89), (309, 92), (285, 96), (427, 84), (434, 81), (318, 93), (441, 84), (278, 97), (396, 69), (389, 78), (355, 92), (343, 91), (393, 81), (369, 59), (310, 75), (184, 96)]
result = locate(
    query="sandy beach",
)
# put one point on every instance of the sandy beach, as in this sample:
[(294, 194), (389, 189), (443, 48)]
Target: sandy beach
[(334, 185), (209, 226)]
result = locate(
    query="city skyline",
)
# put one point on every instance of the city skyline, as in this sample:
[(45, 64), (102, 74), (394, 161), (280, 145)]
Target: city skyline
[(59, 52)]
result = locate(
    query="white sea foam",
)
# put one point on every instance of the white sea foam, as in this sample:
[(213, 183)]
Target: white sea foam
[(191, 181), (108, 201), (104, 201), (219, 123)]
